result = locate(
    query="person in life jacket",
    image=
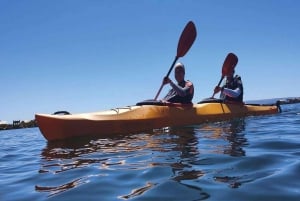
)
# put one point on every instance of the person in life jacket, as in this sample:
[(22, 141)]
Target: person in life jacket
[(232, 91), (183, 91)]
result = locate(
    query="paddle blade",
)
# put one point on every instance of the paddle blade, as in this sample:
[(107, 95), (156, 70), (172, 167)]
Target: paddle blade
[(229, 64), (187, 39)]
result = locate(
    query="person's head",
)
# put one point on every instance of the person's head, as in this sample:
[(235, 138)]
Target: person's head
[(179, 72)]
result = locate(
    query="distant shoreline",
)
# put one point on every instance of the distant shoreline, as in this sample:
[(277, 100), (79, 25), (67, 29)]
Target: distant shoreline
[(290, 100), (18, 124)]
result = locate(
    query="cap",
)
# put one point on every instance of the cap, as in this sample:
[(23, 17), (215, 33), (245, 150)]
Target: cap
[(179, 65)]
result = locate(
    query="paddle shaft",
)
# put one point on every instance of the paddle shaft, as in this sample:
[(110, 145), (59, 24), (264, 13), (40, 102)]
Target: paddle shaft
[(220, 81), (176, 58), (218, 85)]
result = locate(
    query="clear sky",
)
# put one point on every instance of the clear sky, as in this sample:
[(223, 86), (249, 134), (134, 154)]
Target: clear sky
[(90, 55)]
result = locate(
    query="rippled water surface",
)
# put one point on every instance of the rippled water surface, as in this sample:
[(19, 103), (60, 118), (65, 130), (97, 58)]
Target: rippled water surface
[(254, 158)]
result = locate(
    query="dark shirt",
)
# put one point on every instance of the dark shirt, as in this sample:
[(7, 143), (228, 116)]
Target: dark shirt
[(187, 93)]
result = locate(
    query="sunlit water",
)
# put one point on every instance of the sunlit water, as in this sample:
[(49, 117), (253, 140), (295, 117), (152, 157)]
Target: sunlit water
[(254, 158)]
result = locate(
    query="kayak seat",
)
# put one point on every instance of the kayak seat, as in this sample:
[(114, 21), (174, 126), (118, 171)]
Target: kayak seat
[(150, 102), (211, 100), (61, 113), (160, 103)]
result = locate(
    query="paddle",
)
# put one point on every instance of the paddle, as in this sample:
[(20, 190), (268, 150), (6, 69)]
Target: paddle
[(185, 42), (228, 66)]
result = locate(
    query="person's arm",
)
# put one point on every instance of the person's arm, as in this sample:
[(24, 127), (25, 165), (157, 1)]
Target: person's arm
[(181, 91), (217, 89), (232, 92)]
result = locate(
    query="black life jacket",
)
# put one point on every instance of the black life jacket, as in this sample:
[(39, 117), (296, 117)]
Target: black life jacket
[(174, 98), (235, 83)]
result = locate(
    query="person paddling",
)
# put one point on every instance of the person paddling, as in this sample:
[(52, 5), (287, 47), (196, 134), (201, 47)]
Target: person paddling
[(183, 91), (232, 90)]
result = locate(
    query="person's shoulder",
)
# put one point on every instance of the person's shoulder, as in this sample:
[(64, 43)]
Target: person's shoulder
[(238, 77), (238, 80), (189, 83)]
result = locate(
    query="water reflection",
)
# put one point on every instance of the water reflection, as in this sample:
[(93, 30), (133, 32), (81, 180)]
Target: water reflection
[(58, 189), (181, 151), (138, 191), (232, 131)]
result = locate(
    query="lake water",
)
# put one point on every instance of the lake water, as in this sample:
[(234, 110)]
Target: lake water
[(254, 158)]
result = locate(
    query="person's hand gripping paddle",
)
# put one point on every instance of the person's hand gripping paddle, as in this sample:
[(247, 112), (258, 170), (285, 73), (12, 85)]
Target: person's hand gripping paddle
[(228, 66), (185, 42)]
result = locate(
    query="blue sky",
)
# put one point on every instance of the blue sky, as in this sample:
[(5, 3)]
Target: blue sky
[(85, 56)]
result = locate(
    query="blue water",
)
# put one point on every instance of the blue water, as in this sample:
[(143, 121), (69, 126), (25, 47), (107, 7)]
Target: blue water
[(254, 158)]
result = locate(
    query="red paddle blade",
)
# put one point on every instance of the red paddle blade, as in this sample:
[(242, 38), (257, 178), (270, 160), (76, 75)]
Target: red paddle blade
[(229, 64), (187, 39)]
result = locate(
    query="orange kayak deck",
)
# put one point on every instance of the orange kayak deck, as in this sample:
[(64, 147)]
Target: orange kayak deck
[(139, 118)]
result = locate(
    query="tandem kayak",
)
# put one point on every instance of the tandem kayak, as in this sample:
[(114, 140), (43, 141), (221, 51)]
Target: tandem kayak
[(142, 117)]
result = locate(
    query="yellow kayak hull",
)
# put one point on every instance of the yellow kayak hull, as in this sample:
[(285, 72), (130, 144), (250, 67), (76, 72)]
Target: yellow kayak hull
[(133, 119)]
